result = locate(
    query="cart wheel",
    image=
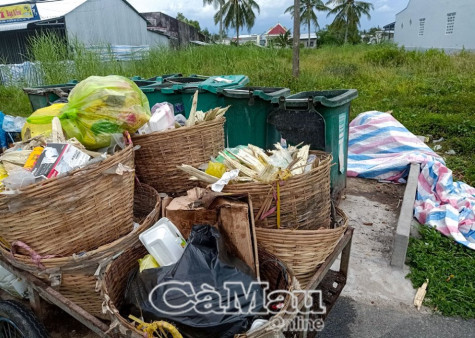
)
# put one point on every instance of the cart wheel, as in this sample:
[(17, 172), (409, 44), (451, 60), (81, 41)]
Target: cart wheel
[(18, 321)]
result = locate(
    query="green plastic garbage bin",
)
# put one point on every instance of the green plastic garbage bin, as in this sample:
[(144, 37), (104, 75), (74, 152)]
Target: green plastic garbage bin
[(192, 79), (172, 90), (165, 92), (161, 78), (43, 96), (246, 119), (142, 82), (208, 90), (320, 118)]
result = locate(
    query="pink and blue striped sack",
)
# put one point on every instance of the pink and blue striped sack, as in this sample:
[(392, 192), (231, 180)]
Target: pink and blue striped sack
[(379, 147)]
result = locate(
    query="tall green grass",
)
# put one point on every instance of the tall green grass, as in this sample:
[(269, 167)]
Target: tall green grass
[(431, 93)]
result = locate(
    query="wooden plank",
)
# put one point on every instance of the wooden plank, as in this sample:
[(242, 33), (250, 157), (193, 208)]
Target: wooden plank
[(323, 269), (343, 247), (345, 257), (234, 226), (254, 237), (35, 302), (59, 300)]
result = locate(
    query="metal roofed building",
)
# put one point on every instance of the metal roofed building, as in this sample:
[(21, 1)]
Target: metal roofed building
[(92, 22)]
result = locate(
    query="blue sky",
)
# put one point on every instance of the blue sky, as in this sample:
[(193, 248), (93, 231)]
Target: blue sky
[(272, 12)]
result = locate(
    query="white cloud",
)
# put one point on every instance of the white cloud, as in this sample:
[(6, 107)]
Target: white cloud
[(384, 9)]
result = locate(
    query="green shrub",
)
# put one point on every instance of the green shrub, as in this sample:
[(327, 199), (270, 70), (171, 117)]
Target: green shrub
[(386, 55)]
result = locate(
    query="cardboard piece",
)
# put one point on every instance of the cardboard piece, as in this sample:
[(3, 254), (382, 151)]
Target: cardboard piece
[(231, 214), (59, 158)]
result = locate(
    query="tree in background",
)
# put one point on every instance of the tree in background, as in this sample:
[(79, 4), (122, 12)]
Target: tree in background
[(283, 40), (348, 14), (217, 4), (193, 23), (307, 13), (237, 14), (296, 43), (334, 34)]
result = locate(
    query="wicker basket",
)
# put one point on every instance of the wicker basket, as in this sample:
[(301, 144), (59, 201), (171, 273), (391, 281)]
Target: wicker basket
[(77, 273), (79, 212), (303, 250), (161, 152), (116, 275), (305, 199)]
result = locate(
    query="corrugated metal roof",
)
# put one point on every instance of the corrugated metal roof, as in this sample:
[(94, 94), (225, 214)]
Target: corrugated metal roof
[(305, 36), (56, 9), (15, 26)]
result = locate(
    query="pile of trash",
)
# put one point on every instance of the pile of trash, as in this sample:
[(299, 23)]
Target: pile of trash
[(66, 136), (219, 254), (63, 137), (164, 118), (253, 164)]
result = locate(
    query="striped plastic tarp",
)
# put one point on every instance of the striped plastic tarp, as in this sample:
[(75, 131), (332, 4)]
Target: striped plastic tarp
[(381, 148)]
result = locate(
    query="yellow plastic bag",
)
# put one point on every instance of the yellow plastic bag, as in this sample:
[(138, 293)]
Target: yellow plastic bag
[(31, 130), (3, 175), (147, 262), (216, 169), (100, 106)]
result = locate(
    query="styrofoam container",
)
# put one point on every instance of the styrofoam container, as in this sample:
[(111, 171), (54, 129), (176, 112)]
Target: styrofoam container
[(164, 242)]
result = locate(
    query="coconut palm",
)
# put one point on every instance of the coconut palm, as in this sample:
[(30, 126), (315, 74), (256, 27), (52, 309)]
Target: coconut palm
[(217, 4), (307, 13), (349, 12), (283, 40), (237, 14)]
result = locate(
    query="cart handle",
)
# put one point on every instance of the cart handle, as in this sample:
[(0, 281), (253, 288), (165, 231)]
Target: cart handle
[(35, 257)]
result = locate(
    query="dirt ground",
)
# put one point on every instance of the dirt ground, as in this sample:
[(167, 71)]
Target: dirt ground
[(386, 193)]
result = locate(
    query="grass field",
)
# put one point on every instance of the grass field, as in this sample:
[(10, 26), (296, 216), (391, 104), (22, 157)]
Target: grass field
[(449, 267), (431, 93)]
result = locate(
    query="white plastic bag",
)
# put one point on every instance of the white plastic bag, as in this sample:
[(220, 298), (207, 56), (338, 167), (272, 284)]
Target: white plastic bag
[(163, 118), (11, 284), (19, 179), (13, 124)]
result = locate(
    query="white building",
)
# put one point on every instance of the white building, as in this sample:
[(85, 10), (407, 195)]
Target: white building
[(305, 42), (444, 24)]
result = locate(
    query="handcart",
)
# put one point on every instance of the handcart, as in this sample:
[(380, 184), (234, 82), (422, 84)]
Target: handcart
[(16, 322)]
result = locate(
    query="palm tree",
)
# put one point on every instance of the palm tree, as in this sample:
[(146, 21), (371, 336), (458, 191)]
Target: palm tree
[(216, 4), (283, 40), (348, 12), (307, 13), (237, 14)]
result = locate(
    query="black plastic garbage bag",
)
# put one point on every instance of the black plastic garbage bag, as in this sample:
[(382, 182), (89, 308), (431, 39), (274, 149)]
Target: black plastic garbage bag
[(207, 293)]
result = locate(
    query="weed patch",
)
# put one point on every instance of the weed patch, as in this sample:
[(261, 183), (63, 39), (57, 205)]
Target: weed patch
[(449, 268)]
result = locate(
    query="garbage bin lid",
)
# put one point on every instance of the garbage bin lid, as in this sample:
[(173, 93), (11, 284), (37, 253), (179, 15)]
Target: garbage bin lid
[(215, 83), (327, 98)]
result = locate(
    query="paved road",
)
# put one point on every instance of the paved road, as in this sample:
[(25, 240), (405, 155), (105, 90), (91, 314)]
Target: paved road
[(351, 319)]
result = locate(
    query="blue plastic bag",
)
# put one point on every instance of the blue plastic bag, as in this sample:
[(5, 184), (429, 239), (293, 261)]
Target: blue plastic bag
[(3, 135)]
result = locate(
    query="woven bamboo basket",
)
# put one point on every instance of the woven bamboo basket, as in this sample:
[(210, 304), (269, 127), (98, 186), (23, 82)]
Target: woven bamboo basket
[(279, 276), (78, 273), (304, 199), (79, 212), (303, 250), (161, 152)]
